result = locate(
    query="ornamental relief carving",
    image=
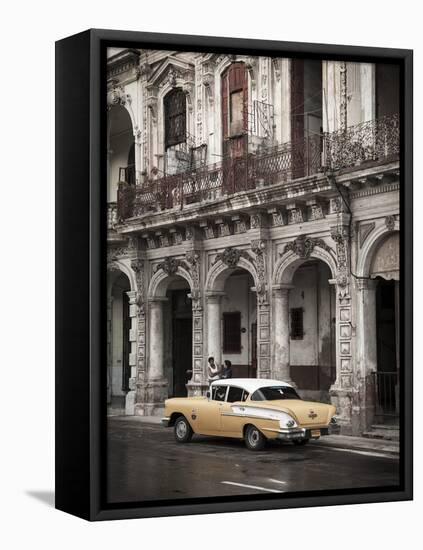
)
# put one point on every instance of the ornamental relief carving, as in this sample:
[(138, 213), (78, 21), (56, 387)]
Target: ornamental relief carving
[(303, 246), (231, 257)]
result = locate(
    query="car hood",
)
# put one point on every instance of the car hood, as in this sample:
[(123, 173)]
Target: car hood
[(305, 412)]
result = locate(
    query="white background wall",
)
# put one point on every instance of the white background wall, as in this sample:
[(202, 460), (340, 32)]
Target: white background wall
[(27, 228)]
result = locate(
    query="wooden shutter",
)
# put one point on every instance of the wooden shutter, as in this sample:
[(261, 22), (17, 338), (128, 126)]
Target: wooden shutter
[(175, 108), (232, 332)]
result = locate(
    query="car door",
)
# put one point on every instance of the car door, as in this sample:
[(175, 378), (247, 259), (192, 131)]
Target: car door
[(231, 423), (209, 412)]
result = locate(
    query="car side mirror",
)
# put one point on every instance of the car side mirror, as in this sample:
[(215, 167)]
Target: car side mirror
[(208, 394)]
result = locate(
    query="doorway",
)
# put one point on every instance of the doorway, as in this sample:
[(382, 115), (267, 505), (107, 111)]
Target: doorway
[(386, 335), (181, 341)]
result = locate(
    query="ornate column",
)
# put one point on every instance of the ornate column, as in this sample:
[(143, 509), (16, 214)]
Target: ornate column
[(130, 396), (137, 266), (214, 336), (344, 392), (281, 338), (155, 370), (156, 388), (198, 383), (366, 352)]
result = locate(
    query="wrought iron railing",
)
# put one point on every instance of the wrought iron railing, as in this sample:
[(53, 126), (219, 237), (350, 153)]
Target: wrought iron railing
[(386, 393), (371, 141)]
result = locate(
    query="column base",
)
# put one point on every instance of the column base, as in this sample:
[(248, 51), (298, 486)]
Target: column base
[(196, 389), (156, 392), (341, 398)]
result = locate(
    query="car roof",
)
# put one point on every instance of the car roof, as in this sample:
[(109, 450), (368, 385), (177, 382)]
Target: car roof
[(249, 384)]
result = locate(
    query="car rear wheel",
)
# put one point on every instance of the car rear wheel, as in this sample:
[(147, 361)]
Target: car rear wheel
[(300, 441), (254, 439), (182, 430)]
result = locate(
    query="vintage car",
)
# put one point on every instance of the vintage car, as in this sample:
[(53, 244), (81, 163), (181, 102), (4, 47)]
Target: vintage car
[(251, 409)]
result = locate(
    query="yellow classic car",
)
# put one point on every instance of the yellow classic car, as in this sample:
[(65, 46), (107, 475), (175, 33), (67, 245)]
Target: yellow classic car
[(251, 409)]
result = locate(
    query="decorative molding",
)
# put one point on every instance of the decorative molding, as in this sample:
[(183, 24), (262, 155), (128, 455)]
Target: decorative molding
[(343, 105), (390, 223), (340, 236), (258, 247), (169, 265), (251, 64), (303, 246), (364, 231), (231, 256), (277, 63), (192, 258), (117, 96)]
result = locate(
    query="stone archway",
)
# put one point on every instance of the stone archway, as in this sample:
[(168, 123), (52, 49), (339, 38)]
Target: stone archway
[(121, 337), (165, 274), (377, 266), (295, 254), (224, 264)]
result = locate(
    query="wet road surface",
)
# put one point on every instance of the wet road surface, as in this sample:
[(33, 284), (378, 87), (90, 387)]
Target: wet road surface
[(146, 463)]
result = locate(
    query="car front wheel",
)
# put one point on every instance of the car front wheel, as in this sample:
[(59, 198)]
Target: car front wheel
[(254, 439), (182, 430)]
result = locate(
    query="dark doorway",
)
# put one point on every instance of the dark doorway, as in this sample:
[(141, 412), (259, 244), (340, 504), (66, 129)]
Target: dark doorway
[(182, 341), (387, 374), (253, 369)]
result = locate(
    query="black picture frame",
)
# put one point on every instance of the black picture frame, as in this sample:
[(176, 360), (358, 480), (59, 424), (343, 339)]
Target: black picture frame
[(81, 272)]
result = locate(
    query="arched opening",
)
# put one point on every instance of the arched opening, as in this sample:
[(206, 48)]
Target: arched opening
[(239, 323), (232, 317), (119, 369), (312, 317), (385, 271), (121, 150), (177, 331)]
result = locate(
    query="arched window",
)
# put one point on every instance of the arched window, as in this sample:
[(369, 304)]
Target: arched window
[(175, 115)]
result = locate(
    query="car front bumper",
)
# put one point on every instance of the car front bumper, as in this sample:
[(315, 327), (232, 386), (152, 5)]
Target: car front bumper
[(165, 421)]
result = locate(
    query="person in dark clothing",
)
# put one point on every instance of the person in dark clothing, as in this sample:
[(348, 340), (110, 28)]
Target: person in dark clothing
[(227, 369)]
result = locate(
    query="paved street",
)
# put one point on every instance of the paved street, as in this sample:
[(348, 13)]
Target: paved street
[(146, 463)]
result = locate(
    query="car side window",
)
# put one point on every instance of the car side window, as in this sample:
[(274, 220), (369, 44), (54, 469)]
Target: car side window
[(218, 393), (234, 394), (245, 395)]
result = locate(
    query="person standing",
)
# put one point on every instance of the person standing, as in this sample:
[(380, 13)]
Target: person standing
[(227, 369), (213, 370)]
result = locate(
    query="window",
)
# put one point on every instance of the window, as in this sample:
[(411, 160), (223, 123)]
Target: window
[(232, 332), (219, 393), (272, 393), (235, 394), (175, 113), (297, 328)]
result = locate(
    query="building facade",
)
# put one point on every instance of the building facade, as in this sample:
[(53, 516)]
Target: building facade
[(253, 215)]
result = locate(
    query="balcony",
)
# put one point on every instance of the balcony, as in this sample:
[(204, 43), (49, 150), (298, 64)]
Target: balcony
[(369, 142)]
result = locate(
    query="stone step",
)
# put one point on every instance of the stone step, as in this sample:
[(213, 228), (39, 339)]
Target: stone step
[(385, 427), (386, 434)]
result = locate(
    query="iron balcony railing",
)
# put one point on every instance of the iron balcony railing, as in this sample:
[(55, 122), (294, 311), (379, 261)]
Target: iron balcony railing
[(371, 141)]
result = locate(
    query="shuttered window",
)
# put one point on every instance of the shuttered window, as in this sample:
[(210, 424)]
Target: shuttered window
[(232, 332), (175, 110)]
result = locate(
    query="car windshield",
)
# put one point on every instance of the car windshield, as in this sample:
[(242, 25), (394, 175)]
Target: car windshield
[(271, 393)]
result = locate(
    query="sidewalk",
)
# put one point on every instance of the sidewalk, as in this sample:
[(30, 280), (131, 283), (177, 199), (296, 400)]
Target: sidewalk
[(337, 441)]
